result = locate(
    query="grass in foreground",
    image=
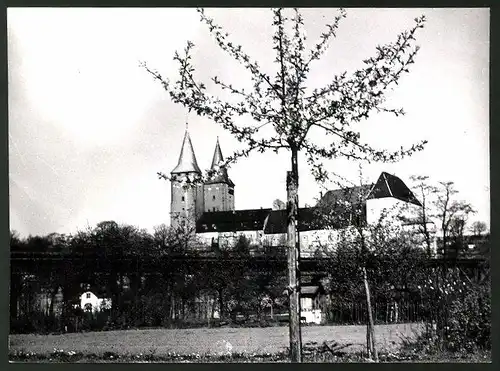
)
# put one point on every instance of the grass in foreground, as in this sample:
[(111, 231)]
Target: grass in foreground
[(314, 354), (162, 342), (248, 345)]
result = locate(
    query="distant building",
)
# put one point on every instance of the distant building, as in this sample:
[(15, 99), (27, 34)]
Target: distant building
[(209, 207), (89, 302), (188, 203), (312, 304)]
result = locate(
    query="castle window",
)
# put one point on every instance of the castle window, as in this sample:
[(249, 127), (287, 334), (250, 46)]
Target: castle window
[(88, 295), (182, 198), (231, 191), (213, 198), (182, 209)]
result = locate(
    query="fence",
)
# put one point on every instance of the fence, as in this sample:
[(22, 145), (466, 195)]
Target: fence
[(383, 313)]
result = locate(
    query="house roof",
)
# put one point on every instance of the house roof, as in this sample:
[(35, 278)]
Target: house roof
[(309, 290), (232, 221), (271, 221), (350, 195), (99, 292), (310, 218), (221, 175), (187, 159)]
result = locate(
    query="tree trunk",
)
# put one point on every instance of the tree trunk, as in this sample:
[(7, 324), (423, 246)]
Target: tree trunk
[(371, 327), (292, 183), (221, 305)]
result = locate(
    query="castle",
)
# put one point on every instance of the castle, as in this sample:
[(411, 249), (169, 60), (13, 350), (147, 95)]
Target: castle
[(190, 201), (208, 207)]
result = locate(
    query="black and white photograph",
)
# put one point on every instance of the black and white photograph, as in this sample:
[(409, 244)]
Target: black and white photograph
[(249, 185)]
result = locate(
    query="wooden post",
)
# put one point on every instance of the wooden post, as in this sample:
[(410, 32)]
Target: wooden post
[(371, 325), (293, 272)]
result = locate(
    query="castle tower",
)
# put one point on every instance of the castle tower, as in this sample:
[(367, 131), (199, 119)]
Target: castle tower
[(186, 203), (219, 190)]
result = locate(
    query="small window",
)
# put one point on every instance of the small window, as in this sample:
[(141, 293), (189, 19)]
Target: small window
[(182, 198), (213, 198), (88, 295), (182, 209)]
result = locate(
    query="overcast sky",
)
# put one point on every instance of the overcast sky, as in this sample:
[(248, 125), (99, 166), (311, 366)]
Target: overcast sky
[(89, 129)]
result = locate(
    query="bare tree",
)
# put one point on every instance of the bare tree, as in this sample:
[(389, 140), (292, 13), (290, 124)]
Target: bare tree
[(283, 105), (479, 227), (423, 219), (450, 212)]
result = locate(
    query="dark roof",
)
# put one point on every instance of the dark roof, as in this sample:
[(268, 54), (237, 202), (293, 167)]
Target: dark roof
[(389, 185), (232, 221), (309, 219), (271, 221), (308, 290), (351, 195)]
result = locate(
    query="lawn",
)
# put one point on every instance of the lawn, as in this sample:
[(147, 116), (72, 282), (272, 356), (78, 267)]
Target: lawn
[(203, 340)]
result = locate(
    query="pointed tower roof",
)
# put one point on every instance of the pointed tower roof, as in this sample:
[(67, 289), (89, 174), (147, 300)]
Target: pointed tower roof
[(217, 155), (187, 159), (221, 175)]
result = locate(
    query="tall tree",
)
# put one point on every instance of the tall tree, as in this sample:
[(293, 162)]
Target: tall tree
[(450, 212), (282, 104), (425, 193)]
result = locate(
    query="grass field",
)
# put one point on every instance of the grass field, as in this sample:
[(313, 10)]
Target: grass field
[(203, 340)]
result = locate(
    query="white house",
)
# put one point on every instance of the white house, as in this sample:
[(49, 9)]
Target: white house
[(312, 304), (91, 303)]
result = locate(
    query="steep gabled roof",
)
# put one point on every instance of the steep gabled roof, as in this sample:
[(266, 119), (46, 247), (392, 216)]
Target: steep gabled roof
[(187, 159), (221, 175), (389, 185), (232, 221)]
